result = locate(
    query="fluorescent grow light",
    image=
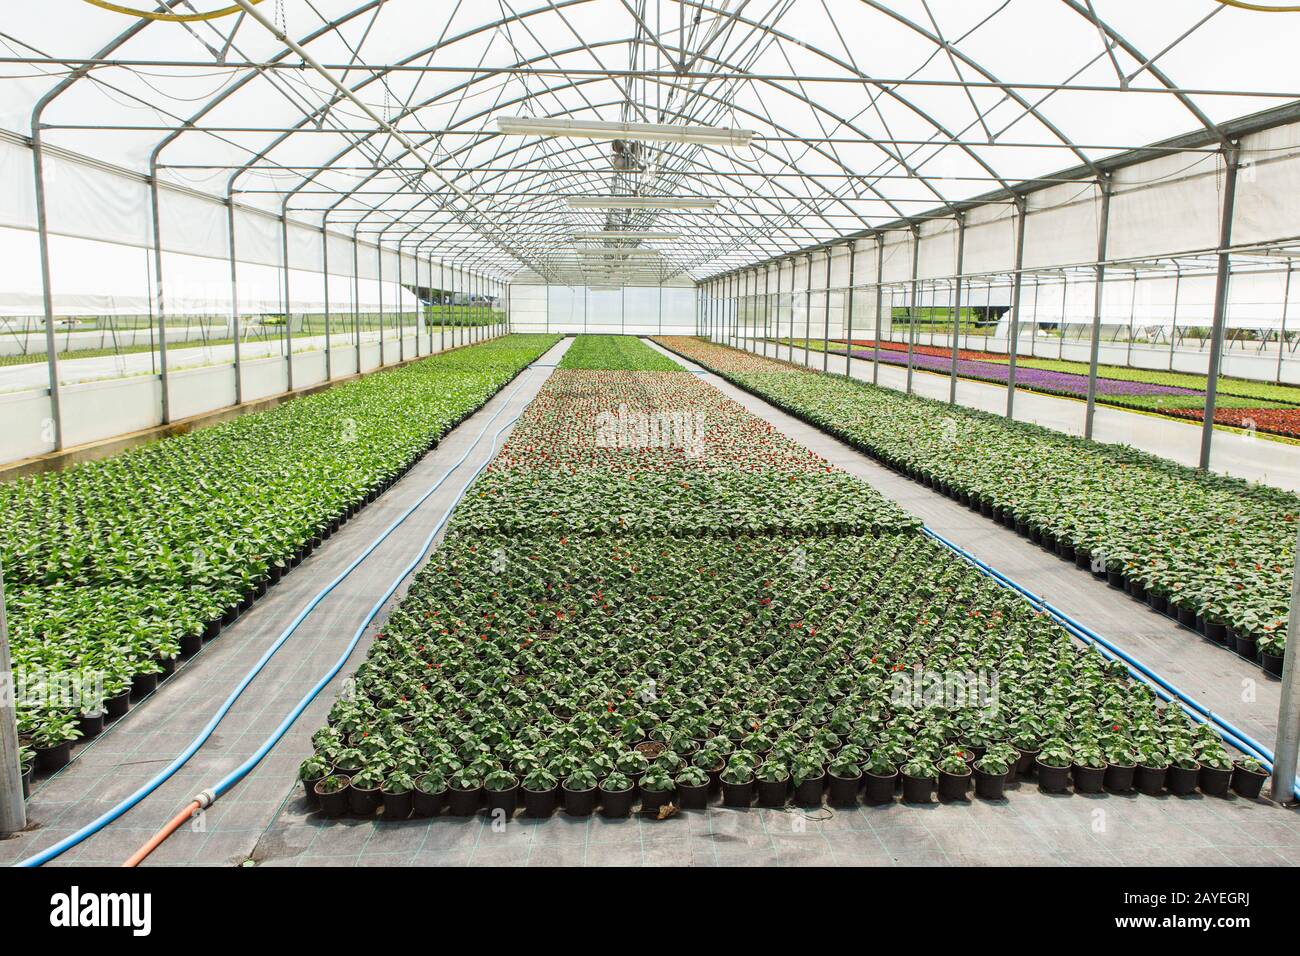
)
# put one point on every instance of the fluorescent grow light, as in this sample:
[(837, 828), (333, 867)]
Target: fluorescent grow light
[(646, 132), (638, 202)]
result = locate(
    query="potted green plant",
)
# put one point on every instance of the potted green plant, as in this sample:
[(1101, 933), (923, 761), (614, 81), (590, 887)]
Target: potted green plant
[(465, 792), (332, 795), (580, 793), (91, 720), (617, 793), (809, 777), (1216, 771), (311, 771), (1248, 776), (879, 777), (53, 741), (920, 777), (738, 781), (1121, 765), (1152, 766), (843, 778), (772, 780), (657, 788), (398, 792), (711, 761), (1184, 773), (1089, 769), (990, 776), (501, 792), (430, 794), (541, 793), (693, 788), (365, 793), (954, 776), (1053, 764)]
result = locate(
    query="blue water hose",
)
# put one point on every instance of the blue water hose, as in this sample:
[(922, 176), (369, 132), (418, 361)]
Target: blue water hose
[(1164, 688), (73, 839)]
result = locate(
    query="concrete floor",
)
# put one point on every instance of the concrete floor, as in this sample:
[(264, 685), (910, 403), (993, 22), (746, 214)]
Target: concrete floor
[(142, 743), (266, 818), (1241, 454)]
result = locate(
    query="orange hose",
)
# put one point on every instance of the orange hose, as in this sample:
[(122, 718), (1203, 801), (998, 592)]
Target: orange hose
[(157, 839)]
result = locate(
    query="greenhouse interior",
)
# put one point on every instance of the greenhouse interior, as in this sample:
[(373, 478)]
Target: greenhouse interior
[(649, 433)]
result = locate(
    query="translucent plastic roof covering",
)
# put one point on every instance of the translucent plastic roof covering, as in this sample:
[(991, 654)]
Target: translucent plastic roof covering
[(865, 112)]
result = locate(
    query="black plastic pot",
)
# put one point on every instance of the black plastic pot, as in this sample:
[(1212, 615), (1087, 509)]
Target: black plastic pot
[(397, 806), (191, 644), (1187, 617), (116, 707), (92, 725), (772, 793), (363, 802), (1083, 559), (169, 665), (1247, 647), (877, 790), (842, 791), (333, 804), (1027, 763), (617, 803), (142, 684), (1052, 779), (504, 800), (737, 794), (27, 771), (917, 789), (1088, 779), (426, 804), (1180, 781), (954, 786), (1272, 663), (464, 803), (309, 790), (580, 803), (1149, 780), (693, 798), (1215, 782), (539, 804), (50, 759), (1115, 579), (1119, 779), (1216, 631), (989, 786), (1247, 783), (808, 793), (1157, 602), (1065, 550), (1137, 590), (652, 800)]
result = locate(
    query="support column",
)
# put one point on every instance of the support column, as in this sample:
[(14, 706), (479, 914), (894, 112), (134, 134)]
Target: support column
[(911, 310), (47, 289), (325, 278), (1231, 158), (880, 306), (288, 309), (848, 310), (956, 307), (1016, 288), (767, 305), (401, 318), (234, 302), (158, 293), (13, 814), (356, 299), (807, 317), (1281, 335), (1098, 301), (1282, 787), (826, 322), (442, 307)]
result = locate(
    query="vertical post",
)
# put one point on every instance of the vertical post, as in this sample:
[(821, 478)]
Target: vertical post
[(47, 288), (401, 315), (1281, 335), (325, 278), (880, 306), (1132, 318), (911, 312), (1098, 301), (442, 308), (826, 321), (956, 307), (661, 306), (379, 285), (848, 309), (807, 315), (13, 815), (767, 305), (1231, 158), (356, 298), (288, 309), (234, 302), (1017, 285), (1288, 713), (158, 287)]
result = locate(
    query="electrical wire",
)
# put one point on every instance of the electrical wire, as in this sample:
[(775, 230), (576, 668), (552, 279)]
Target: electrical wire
[(170, 17)]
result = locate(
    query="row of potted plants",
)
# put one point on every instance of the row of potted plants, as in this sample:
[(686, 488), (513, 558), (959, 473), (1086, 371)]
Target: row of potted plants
[(117, 569), (1214, 552), (623, 352), (578, 662)]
